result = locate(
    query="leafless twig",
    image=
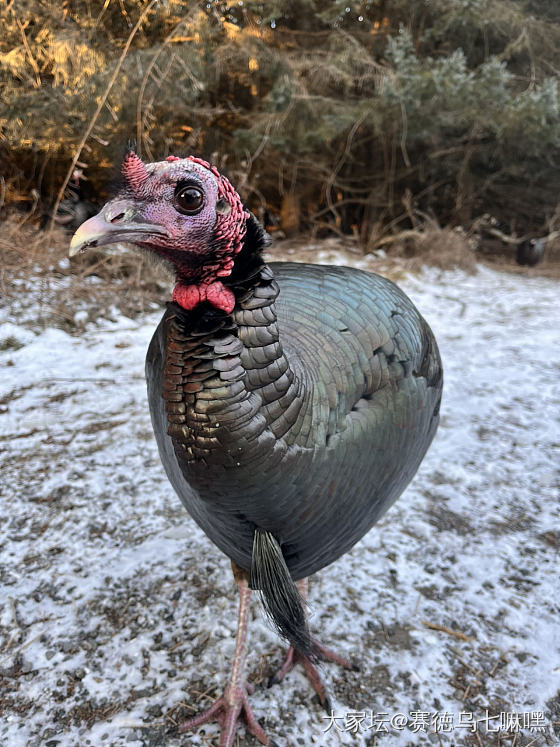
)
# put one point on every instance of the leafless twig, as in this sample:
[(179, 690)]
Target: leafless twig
[(168, 39), (444, 629), (100, 106), (32, 59)]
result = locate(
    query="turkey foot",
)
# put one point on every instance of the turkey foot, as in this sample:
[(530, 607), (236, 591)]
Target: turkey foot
[(323, 653), (227, 710), (234, 703)]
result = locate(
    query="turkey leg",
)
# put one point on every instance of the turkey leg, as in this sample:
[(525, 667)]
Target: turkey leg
[(234, 703)]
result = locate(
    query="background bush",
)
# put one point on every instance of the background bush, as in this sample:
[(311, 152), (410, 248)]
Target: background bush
[(352, 118)]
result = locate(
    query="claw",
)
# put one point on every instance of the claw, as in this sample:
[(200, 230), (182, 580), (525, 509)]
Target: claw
[(287, 666), (292, 657)]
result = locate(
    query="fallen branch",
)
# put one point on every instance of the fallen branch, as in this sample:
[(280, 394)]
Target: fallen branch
[(408, 234), (513, 240)]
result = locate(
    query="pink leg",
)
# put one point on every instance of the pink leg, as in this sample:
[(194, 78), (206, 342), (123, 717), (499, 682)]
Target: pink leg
[(293, 656), (234, 703)]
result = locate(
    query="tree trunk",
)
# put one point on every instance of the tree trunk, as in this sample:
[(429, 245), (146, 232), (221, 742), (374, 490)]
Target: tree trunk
[(290, 213)]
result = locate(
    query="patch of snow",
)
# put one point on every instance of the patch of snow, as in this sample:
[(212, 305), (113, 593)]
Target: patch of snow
[(81, 317), (14, 332), (115, 609)]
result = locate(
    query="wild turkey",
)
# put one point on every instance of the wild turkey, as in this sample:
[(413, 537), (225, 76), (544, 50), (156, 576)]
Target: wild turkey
[(530, 252), (291, 403)]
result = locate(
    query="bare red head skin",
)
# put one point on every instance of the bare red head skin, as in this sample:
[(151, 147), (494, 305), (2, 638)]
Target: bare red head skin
[(185, 211)]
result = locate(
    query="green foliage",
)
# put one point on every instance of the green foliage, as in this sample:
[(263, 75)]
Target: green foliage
[(444, 96)]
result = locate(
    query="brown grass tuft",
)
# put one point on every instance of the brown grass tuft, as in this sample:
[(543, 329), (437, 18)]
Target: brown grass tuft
[(40, 284), (445, 248)]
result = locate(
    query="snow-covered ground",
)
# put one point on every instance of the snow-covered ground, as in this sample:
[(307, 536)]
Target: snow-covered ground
[(117, 615)]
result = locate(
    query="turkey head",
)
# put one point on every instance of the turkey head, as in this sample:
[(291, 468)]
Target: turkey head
[(183, 210)]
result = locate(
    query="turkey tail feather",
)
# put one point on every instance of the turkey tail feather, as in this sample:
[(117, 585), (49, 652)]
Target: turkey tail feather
[(279, 593)]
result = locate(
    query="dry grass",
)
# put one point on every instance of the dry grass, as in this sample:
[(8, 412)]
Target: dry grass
[(39, 282), (393, 256), (42, 286), (446, 248), (449, 248), (429, 244)]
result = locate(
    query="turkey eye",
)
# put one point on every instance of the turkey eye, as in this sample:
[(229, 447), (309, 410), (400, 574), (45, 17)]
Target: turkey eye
[(189, 200)]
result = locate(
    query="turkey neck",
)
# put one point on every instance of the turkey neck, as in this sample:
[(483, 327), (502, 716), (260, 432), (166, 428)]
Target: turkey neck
[(229, 390)]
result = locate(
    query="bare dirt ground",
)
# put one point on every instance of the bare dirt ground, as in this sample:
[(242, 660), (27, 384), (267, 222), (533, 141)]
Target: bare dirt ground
[(117, 615)]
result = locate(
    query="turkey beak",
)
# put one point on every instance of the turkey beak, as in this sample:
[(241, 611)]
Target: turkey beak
[(119, 220)]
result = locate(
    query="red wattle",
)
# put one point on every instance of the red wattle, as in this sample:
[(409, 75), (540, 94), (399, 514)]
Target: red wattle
[(220, 296), (189, 296)]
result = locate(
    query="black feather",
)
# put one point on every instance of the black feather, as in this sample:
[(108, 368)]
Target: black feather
[(249, 261), (279, 594)]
